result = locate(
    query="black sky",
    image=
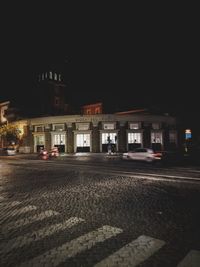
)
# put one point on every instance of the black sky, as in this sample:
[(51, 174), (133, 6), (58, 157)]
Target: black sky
[(124, 57)]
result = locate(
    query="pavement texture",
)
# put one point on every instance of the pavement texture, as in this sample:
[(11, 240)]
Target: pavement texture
[(68, 212)]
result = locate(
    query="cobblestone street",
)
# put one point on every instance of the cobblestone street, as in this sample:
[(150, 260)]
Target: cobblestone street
[(79, 212)]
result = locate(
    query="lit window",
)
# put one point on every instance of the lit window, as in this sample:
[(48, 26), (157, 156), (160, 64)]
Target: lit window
[(134, 138), (156, 137), (39, 128), (58, 127), (59, 139), (55, 76), (40, 140), (134, 126), (97, 110), (3, 114), (59, 77), (109, 126), (83, 140), (50, 75), (82, 126), (109, 138), (155, 126)]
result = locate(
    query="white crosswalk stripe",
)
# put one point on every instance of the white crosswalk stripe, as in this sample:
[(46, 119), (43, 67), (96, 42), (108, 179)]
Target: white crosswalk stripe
[(38, 235), (133, 253), (22, 210), (192, 259), (11, 213), (7, 208), (58, 255), (11, 204), (29, 220), (130, 255)]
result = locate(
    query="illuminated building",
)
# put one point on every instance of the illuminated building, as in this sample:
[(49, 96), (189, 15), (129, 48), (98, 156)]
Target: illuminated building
[(92, 133)]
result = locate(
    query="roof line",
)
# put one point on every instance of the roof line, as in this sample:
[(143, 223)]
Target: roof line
[(130, 111)]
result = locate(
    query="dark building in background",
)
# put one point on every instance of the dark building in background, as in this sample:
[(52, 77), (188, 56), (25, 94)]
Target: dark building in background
[(50, 99)]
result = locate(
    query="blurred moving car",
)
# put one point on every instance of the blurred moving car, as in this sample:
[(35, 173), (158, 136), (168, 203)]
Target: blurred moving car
[(54, 153), (11, 151), (43, 154), (143, 154)]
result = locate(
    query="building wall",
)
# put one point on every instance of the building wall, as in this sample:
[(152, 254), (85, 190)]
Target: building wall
[(122, 140), (3, 107), (50, 94), (70, 138), (89, 129), (95, 138)]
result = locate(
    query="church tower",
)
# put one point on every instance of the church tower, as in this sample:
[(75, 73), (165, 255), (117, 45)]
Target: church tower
[(52, 91)]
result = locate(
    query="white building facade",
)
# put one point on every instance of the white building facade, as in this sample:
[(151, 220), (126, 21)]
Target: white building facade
[(94, 133)]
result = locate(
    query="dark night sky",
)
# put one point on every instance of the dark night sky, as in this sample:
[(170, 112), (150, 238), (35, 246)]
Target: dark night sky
[(126, 60)]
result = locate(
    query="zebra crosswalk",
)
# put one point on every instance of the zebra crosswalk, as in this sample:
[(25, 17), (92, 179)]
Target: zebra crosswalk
[(59, 255), (28, 238), (131, 254), (192, 259)]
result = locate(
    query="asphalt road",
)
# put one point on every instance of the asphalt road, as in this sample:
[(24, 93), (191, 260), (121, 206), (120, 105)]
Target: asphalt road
[(98, 211)]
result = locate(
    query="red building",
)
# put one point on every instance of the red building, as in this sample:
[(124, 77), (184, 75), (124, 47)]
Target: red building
[(92, 109)]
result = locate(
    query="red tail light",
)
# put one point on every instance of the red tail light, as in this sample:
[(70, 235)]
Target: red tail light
[(158, 154)]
